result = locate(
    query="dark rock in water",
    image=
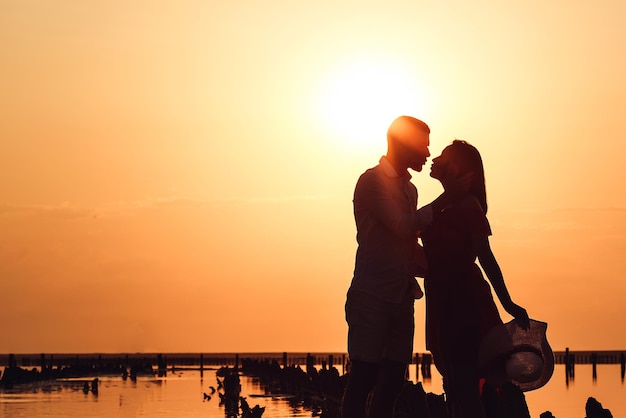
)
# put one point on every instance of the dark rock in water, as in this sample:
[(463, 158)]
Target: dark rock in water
[(93, 389), (507, 400), (546, 414), (594, 409), (411, 402), (436, 405), (15, 375), (94, 386), (247, 412)]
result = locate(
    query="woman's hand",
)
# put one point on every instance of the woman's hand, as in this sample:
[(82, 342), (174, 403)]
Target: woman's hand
[(520, 315)]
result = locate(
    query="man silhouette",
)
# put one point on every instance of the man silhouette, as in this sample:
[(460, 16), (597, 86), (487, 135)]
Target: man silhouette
[(379, 304)]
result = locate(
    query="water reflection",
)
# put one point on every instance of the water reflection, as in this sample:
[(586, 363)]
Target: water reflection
[(569, 399), (181, 393)]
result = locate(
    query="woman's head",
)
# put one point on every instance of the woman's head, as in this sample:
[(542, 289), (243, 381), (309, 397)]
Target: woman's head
[(456, 160)]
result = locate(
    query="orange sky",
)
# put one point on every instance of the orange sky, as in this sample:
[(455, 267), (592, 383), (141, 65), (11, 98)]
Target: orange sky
[(178, 176)]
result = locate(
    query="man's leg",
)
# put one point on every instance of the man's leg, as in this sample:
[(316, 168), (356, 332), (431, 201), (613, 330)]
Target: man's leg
[(361, 380), (391, 379), (398, 352)]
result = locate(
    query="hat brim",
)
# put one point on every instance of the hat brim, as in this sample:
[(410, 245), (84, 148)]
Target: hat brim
[(509, 338)]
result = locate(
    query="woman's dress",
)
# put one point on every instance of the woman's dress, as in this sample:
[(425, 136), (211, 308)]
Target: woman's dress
[(460, 308)]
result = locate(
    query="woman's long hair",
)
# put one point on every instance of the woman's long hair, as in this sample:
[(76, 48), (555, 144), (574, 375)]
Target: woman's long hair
[(468, 159)]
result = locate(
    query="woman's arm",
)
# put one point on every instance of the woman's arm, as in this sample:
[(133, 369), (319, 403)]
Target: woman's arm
[(492, 269)]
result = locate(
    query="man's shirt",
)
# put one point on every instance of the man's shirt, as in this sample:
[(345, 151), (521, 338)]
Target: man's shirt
[(387, 221)]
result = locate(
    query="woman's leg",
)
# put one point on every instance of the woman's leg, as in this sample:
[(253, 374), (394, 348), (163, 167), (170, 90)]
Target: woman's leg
[(463, 387)]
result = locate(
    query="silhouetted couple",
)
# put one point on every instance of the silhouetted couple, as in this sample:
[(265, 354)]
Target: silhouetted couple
[(460, 309)]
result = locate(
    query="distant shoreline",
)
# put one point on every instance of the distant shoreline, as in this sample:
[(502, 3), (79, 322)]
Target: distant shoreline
[(226, 358)]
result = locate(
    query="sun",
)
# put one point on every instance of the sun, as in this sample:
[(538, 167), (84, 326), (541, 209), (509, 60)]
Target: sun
[(358, 100)]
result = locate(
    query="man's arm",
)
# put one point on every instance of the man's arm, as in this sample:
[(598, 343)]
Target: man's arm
[(374, 196)]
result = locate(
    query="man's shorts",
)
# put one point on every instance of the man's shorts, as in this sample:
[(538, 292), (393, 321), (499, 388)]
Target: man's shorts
[(379, 330)]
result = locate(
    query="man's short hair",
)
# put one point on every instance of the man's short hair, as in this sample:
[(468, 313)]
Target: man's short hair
[(404, 126)]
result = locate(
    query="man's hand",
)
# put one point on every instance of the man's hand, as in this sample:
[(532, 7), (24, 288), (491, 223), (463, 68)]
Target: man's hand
[(418, 263), (416, 290)]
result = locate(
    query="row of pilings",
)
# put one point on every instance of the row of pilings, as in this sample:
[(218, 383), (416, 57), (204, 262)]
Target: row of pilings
[(570, 359), (28, 368), (31, 367)]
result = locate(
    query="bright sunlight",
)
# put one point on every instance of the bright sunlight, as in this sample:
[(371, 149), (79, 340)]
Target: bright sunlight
[(358, 101)]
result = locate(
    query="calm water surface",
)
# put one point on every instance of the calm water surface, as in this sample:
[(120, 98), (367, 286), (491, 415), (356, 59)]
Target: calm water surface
[(180, 394)]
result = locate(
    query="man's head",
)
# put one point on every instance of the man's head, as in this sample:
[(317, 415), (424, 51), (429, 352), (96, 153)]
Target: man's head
[(408, 139)]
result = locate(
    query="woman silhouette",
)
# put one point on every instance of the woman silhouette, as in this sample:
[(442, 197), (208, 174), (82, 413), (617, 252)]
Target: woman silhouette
[(460, 309)]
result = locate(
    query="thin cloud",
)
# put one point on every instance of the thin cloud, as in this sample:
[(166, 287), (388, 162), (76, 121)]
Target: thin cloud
[(63, 211), (275, 199), (67, 211), (591, 209)]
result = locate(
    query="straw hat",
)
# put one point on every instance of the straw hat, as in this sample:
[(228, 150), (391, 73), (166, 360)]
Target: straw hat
[(528, 358)]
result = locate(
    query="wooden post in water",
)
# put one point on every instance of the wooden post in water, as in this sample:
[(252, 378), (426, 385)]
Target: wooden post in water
[(201, 365), (594, 362), (427, 360), (566, 362), (622, 361), (570, 361), (310, 365)]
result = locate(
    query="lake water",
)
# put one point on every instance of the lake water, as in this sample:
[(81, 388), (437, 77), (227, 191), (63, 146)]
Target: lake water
[(180, 394)]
